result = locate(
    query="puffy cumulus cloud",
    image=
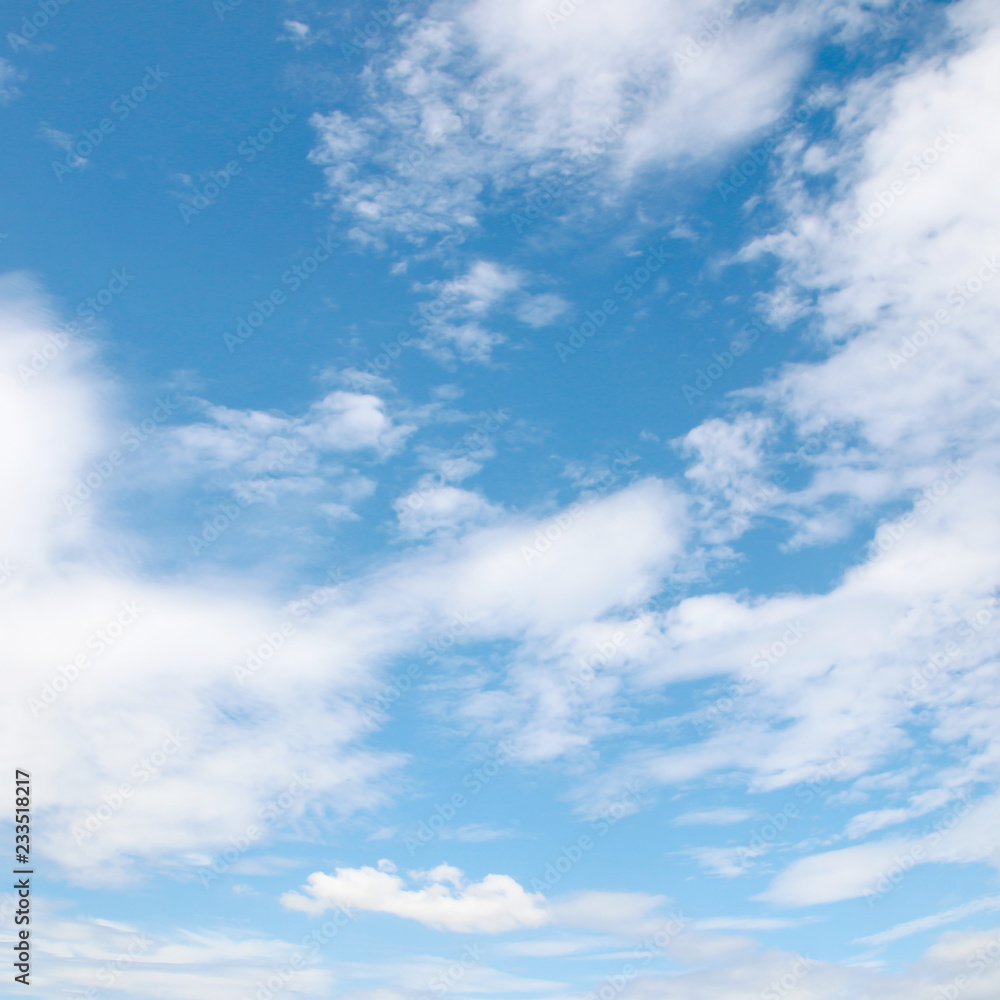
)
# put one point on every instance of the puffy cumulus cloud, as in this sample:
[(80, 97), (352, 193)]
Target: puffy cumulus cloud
[(491, 906), (252, 440), (443, 509), (896, 412), (657, 69), (178, 758), (481, 287), (347, 421), (479, 101), (181, 757), (727, 452), (892, 264), (268, 473), (728, 465)]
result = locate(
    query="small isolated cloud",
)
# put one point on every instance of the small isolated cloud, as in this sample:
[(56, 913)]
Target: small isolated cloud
[(537, 311), (628, 913), (453, 321), (475, 833), (744, 924), (53, 136), (446, 902), (263, 865), (339, 422), (428, 511), (456, 322), (723, 816), (482, 286), (728, 454), (9, 76), (295, 31), (726, 862), (554, 948)]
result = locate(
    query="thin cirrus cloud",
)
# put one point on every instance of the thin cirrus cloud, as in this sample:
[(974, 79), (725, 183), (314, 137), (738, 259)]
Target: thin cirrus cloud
[(723, 816)]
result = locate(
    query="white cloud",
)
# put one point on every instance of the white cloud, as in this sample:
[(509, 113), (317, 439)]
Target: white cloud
[(339, 422), (100, 955), (626, 914), (472, 102), (481, 287), (427, 511), (875, 286), (726, 862), (228, 966), (453, 321), (475, 833), (497, 904), (538, 311), (722, 816), (56, 137), (933, 921), (563, 586), (491, 906), (40, 378), (543, 948), (743, 924), (409, 976), (9, 77), (835, 875), (963, 963)]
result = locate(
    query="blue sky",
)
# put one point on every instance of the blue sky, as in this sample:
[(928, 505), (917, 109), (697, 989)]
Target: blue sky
[(498, 498)]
